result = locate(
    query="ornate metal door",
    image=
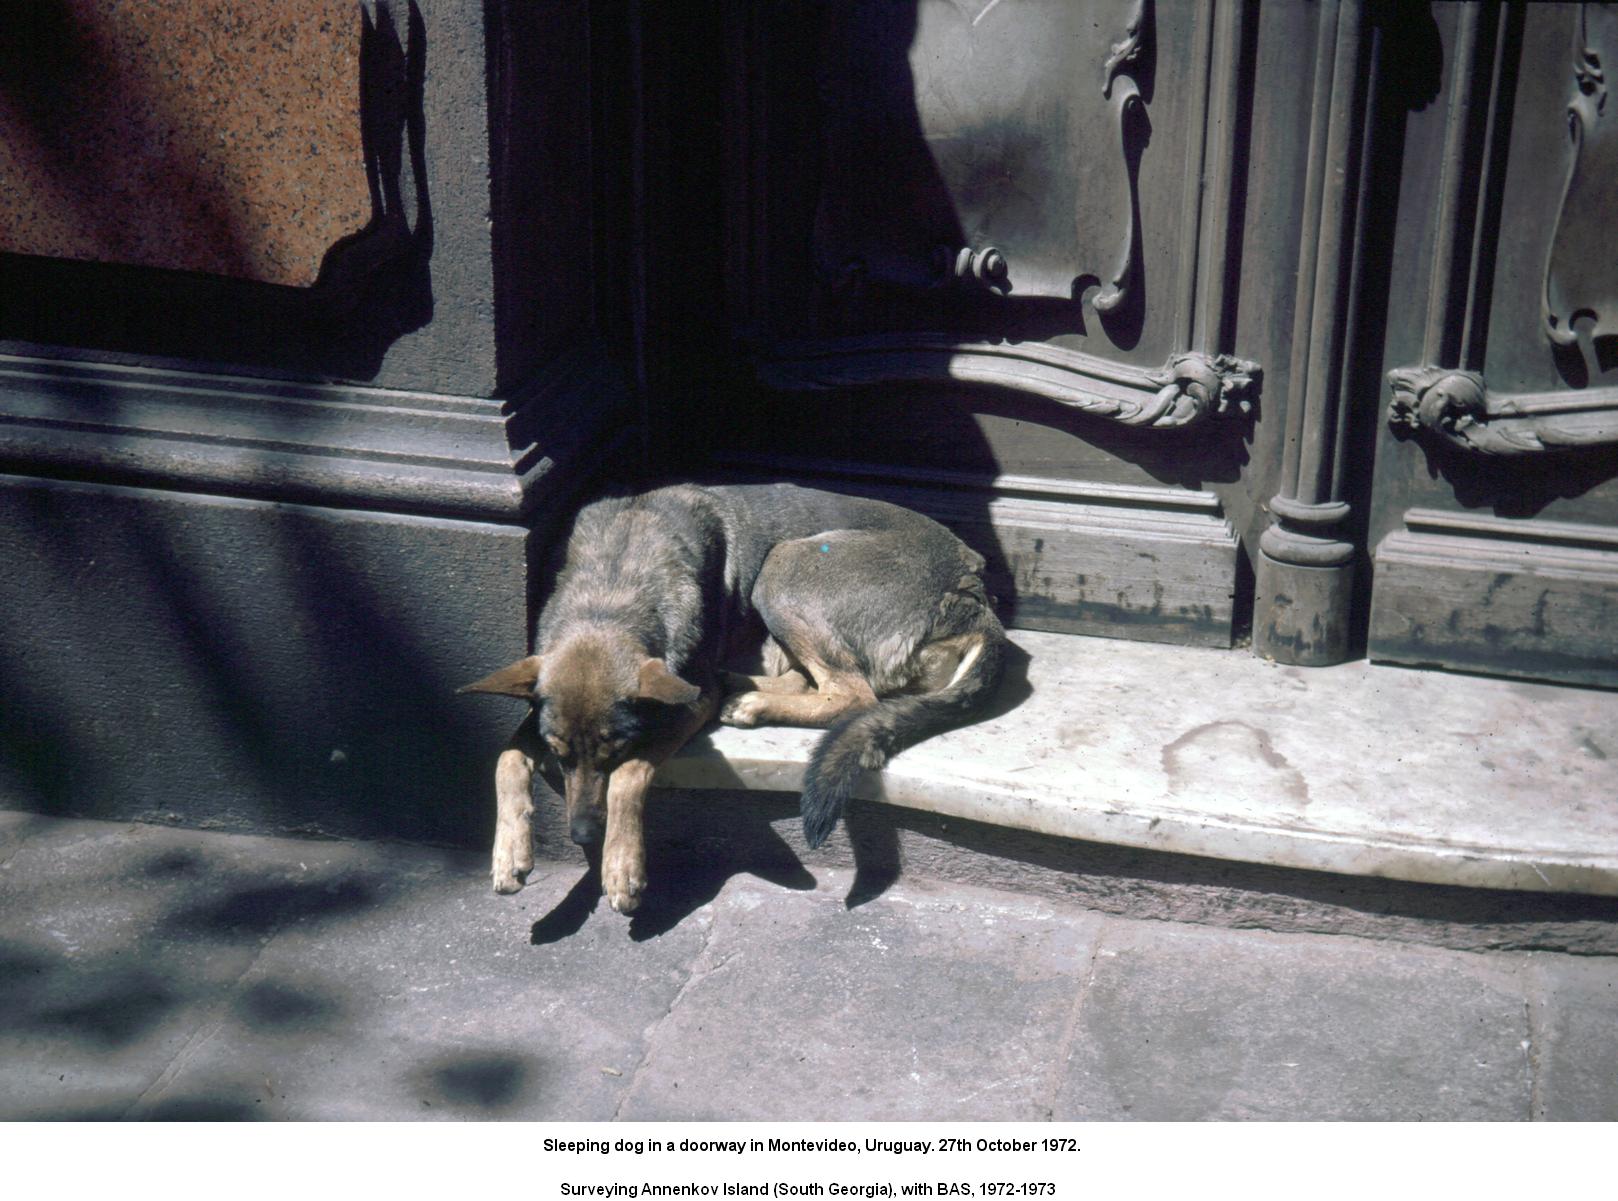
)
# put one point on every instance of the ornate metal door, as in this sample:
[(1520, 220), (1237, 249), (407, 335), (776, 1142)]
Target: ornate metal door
[(1113, 288), (1495, 522)]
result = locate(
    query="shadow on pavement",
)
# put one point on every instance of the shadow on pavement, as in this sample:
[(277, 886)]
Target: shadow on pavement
[(686, 867), (489, 1082)]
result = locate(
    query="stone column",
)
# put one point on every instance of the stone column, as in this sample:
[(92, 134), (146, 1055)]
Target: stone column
[(1305, 570)]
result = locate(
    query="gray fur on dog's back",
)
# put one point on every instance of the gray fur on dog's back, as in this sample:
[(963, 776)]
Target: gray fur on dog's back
[(877, 594), (653, 565), (677, 565), (878, 603)]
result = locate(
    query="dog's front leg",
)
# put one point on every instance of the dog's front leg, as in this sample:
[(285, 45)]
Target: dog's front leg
[(623, 856), (513, 830)]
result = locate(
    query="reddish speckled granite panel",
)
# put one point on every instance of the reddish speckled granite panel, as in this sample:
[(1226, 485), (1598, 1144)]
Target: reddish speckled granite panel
[(205, 135)]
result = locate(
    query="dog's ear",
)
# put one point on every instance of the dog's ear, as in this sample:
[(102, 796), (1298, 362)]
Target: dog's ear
[(658, 683), (516, 680)]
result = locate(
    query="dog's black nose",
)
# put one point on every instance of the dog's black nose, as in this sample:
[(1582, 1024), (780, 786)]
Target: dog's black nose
[(585, 830)]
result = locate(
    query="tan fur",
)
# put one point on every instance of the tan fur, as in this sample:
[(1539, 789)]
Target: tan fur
[(516, 679), (836, 693), (513, 835), (585, 675), (658, 683), (786, 699), (940, 664), (788, 681), (581, 680), (623, 857), (813, 709)]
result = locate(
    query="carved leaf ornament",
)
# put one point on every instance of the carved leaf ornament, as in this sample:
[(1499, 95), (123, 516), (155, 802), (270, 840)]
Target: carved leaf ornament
[(1456, 407)]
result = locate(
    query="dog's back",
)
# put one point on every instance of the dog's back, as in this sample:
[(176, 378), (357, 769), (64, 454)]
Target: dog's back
[(652, 565), (677, 565)]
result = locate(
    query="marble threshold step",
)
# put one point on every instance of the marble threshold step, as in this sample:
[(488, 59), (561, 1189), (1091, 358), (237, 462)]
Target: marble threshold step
[(1362, 769)]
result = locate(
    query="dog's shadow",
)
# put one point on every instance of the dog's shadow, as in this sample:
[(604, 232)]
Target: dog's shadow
[(573, 910), (687, 868), (1013, 688)]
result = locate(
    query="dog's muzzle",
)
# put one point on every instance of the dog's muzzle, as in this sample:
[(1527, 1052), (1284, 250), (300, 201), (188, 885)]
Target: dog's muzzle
[(586, 804), (585, 829)]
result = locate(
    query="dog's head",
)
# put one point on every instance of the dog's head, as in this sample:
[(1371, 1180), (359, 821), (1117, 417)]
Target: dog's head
[(600, 699)]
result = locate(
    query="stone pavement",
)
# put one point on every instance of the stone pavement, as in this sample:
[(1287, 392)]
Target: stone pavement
[(150, 972)]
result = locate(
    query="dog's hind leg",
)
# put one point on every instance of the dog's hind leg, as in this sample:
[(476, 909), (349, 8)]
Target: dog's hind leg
[(623, 853), (513, 830), (835, 693), (787, 682), (899, 614), (781, 674)]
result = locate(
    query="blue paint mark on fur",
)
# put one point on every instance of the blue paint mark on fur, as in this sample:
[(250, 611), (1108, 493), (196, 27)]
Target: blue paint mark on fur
[(825, 548)]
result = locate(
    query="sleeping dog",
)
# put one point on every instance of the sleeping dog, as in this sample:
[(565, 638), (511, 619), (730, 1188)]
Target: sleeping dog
[(873, 621)]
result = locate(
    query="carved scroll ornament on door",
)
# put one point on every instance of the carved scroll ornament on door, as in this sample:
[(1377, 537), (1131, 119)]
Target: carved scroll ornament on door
[(1580, 285)]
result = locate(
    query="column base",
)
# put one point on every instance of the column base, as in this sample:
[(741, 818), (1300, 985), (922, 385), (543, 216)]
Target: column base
[(1301, 613)]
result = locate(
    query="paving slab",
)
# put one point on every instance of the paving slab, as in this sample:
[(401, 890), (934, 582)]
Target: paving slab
[(437, 1002), (1576, 1038), (119, 941), (940, 1004), (1187, 1024), (1362, 768)]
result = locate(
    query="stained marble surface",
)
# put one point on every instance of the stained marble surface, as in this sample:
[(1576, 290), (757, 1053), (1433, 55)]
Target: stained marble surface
[(1363, 769), (202, 135)]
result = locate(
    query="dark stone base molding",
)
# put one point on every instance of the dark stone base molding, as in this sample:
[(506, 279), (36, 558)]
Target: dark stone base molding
[(1530, 598), (248, 664)]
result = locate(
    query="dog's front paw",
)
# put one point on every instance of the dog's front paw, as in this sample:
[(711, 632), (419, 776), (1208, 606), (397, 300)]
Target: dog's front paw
[(743, 709), (511, 864), (623, 879), (506, 881)]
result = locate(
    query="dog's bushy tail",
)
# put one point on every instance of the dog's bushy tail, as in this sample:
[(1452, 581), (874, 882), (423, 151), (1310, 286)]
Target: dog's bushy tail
[(868, 739)]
